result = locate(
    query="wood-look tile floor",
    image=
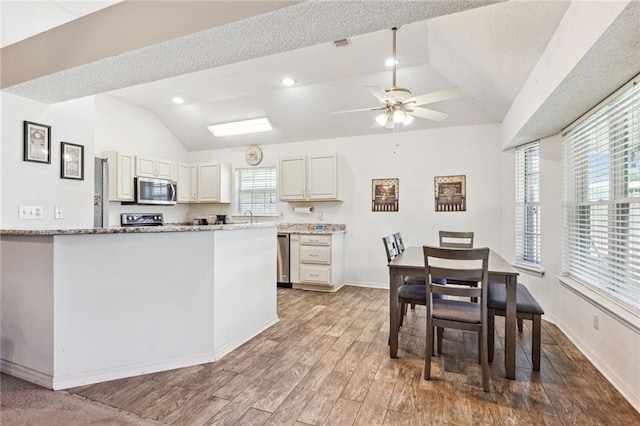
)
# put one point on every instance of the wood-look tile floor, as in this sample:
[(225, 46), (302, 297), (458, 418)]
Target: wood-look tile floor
[(327, 362)]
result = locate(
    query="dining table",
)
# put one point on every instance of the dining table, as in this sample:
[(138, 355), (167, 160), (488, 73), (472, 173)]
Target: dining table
[(411, 263)]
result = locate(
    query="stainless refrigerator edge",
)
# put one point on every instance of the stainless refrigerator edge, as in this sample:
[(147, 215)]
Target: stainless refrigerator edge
[(101, 193)]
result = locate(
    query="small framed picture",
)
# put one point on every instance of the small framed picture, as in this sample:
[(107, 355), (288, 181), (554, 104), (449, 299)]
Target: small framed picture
[(385, 195), (450, 193), (71, 161), (37, 142)]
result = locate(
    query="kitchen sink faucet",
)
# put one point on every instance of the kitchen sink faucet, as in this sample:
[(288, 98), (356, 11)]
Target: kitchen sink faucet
[(250, 214)]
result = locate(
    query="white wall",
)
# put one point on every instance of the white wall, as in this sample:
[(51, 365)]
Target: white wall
[(127, 128), (413, 157), (39, 184), (615, 347)]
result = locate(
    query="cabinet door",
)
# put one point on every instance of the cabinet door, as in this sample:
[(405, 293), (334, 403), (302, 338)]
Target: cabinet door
[(208, 182), (193, 183), (292, 178), (145, 167), (184, 190), (164, 169), (125, 177), (323, 177)]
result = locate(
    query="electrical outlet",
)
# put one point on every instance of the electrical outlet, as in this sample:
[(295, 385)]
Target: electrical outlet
[(321, 217), (30, 212), (58, 212), (596, 322)]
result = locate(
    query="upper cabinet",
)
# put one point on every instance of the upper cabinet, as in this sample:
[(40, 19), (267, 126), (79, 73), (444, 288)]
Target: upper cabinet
[(183, 183), (121, 173), (156, 168), (310, 178), (213, 183)]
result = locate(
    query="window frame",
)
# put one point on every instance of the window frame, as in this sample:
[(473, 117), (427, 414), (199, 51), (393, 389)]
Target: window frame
[(601, 238), (241, 207), (528, 232)]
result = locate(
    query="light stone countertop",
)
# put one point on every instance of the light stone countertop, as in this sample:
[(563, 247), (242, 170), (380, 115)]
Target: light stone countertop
[(292, 228), (137, 229)]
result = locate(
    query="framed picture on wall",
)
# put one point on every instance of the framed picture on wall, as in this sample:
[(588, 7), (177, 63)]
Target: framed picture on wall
[(37, 142), (451, 193), (71, 161), (385, 195)]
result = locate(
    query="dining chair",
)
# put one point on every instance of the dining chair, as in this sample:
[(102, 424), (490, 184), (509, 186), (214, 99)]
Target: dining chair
[(408, 280), (527, 308), (469, 265), (457, 239), (413, 290)]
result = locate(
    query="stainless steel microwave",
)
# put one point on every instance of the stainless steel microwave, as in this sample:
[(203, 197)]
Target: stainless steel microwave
[(155, 191)]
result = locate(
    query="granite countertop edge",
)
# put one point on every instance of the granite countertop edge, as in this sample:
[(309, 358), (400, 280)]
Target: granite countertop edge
[(285, 227)]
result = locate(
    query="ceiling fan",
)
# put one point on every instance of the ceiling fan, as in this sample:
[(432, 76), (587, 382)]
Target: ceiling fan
[(399, 106)]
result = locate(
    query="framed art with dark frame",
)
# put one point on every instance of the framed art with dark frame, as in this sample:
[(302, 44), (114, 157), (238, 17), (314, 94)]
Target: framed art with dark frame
[(450, 193), (385, 195), (71, 161), (37, 142)]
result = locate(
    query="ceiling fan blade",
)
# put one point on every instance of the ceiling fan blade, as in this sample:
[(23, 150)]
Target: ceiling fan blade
[(379, 93), (440, 95), (429, 114), (358, 110)]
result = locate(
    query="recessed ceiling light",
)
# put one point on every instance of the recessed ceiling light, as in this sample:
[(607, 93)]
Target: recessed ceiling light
[(389, 62), (177, 100), (244, 127), (288, 81)]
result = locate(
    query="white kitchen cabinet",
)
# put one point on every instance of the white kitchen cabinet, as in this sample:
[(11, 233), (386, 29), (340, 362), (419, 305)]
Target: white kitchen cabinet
[(193, 183), (155, 168), (183, 182), (317, 261), (310, 178), (121, 174), (212, 183)]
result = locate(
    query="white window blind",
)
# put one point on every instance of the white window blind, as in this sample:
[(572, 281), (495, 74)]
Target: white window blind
[(602, 197), (528, 204), (255, 190)]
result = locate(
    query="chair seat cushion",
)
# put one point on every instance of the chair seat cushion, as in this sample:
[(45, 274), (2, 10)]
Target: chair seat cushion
[(525, 302), (415, 294), (457, 310)]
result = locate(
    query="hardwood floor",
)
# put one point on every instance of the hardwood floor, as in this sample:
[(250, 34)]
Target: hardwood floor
[(327, 362)]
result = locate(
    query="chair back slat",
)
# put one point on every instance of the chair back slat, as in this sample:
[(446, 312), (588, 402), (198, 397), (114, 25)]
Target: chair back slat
[(399, 242), (461, 264), (456, 239), (390, 247)]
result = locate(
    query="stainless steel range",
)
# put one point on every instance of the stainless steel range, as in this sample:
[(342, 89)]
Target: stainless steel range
[(141, 219)]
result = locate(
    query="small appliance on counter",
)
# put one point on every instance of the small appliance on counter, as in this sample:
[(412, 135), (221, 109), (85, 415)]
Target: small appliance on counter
[(199, 221), (141, 219), (221, 219)]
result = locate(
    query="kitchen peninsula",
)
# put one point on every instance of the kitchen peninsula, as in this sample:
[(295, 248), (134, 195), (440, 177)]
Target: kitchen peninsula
[(81, 306)]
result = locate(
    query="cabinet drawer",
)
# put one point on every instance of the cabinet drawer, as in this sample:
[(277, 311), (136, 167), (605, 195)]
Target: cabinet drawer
[(320, 240), (315, 254), (315, 274)]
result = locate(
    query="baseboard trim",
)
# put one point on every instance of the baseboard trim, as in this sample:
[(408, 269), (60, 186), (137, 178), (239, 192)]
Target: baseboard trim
[(228, 347), (369, 285), (25, 373), (632, 397)]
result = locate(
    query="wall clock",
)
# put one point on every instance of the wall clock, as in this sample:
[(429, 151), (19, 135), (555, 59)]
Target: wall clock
[(253, 155)]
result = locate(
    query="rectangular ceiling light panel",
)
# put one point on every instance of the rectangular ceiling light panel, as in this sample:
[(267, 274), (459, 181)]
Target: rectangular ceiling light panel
[(244, 127)]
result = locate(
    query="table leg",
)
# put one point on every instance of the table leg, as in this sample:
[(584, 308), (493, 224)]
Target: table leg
[(393, 313), (510, 328)]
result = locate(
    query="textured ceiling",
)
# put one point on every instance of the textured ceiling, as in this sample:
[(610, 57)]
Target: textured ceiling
[(233, 71)]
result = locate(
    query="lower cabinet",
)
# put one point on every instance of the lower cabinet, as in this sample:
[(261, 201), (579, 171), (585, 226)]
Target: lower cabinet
[(317, 261)]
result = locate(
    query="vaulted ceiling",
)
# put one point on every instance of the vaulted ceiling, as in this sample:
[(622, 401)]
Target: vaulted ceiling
[(233, 70)]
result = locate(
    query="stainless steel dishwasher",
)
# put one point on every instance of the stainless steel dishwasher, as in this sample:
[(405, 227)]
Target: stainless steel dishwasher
[(284, 277)]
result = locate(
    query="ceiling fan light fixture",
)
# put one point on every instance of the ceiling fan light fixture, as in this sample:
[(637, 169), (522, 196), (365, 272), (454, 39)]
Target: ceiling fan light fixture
[(287, 81), (408, 120), (382, 119), (399, 115), (243, 127)]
